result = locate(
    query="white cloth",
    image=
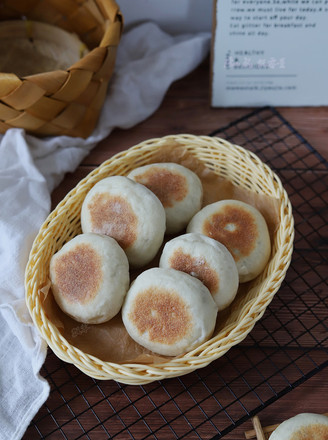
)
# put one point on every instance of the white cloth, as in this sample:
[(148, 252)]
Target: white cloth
[(148, 61)]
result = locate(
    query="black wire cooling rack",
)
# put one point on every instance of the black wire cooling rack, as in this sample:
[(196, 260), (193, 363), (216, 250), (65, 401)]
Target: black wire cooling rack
[(285, 348)]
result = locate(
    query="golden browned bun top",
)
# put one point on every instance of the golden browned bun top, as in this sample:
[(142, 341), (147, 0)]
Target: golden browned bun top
[(162, 313), (78, 273), (195, 266), (234, 227), (314, 431), (169, 186), (113, 215)]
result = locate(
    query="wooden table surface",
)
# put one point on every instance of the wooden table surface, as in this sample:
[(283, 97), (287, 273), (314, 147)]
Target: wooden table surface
[(186, 109)]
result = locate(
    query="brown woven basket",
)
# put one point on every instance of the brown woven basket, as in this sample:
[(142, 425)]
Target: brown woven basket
[(62, 102), (235, 165)]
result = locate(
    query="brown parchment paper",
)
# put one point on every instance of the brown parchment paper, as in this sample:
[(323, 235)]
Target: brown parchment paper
[(110, 341)]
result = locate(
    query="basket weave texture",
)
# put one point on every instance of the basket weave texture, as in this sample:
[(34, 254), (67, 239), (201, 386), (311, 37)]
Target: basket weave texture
[(63, 102), (233, 163)]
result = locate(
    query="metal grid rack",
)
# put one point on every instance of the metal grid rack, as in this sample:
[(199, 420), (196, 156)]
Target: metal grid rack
[(286, 347)]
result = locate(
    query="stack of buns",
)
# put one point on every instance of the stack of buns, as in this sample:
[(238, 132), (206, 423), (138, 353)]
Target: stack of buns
[(170, 309)]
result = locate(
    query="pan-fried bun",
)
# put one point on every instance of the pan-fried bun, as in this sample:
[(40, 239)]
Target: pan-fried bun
[(206, 259), (178, 188), (242, 229), (90, 278), (129, 212), (305, 426), (168, 311)]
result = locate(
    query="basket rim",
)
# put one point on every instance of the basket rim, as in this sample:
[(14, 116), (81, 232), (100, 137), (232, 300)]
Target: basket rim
[(113, 16), (62, 97), (215, 347)]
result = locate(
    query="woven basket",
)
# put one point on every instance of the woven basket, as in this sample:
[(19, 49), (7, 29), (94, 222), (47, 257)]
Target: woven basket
[(62, 102), (234, 164)]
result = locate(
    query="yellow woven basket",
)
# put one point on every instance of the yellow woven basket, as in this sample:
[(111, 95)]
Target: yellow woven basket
[(236, 165), (61, 102)]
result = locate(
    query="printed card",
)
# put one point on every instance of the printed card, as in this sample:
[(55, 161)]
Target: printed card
[(270, 52)]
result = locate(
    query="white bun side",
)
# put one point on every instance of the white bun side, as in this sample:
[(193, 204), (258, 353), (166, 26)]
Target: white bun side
[(169, 312), (130, 213), (178, 188), (90, 277), (242, 229), (206, 259), (302, 427)]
